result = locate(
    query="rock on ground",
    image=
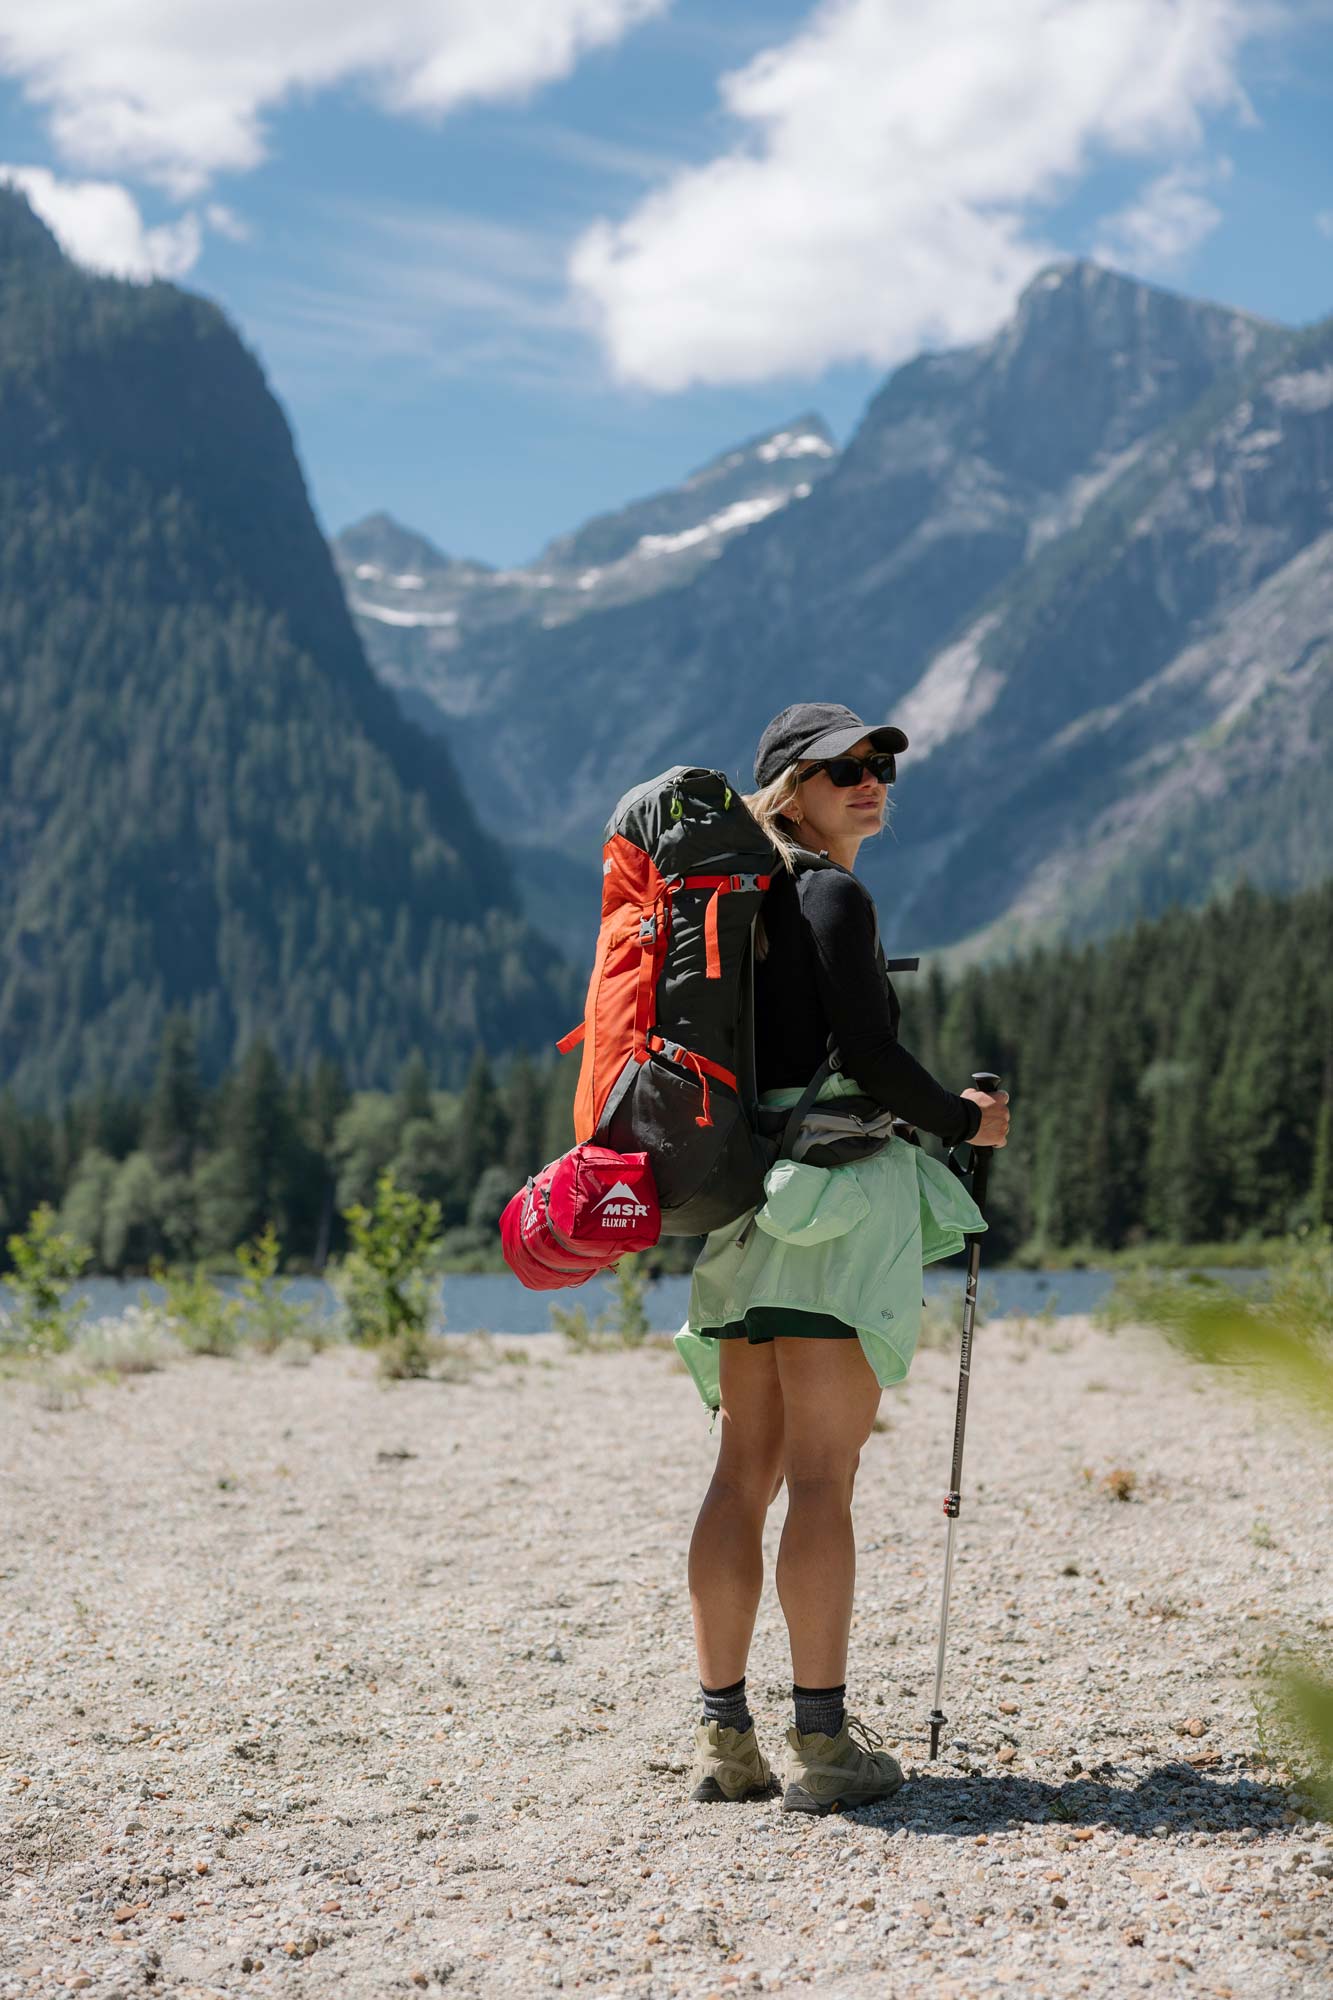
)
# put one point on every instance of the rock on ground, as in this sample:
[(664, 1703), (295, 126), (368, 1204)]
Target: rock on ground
[(318, 1685)]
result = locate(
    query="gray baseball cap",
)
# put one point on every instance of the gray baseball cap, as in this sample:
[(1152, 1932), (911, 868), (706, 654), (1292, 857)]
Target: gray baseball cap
[(816, 729)]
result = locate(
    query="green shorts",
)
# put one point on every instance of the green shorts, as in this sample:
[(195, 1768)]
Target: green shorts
[(772, 1322)]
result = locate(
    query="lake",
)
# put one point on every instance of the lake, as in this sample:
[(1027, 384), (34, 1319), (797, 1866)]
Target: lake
[(498, 1303)]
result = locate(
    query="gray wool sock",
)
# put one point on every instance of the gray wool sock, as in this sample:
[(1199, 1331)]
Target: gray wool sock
[(819, 1708), (727, 1706)]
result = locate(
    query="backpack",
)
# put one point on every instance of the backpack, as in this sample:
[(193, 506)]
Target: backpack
[(667, 1083), (668, 1026)]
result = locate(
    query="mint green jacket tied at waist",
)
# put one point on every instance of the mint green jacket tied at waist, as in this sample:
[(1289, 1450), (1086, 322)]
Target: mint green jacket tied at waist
[(850, 1241)]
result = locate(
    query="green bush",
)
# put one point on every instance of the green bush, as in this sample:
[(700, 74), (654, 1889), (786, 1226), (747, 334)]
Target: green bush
[(202, 1317), (45, 1261), (271, 1315), (386, 1280)]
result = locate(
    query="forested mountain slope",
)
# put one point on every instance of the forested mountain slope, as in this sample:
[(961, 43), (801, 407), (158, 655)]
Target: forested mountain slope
[(207, 800)]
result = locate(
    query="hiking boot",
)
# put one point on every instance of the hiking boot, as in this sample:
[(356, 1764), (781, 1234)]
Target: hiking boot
[(729, 1765), (843, 1770)]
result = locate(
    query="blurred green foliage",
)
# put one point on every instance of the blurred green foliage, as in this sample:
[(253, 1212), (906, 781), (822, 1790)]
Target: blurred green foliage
[(44, 1263), (1277, 1339), (387, 1280)]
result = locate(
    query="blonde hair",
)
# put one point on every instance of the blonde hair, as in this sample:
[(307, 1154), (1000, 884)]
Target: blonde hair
[(770, 805)]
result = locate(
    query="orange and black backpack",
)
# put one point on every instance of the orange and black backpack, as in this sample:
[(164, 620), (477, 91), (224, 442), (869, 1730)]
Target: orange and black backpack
[(668, 1027)]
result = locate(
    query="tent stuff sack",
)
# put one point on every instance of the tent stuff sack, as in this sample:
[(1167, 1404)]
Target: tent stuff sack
[(668, 1027), (578, 1216)]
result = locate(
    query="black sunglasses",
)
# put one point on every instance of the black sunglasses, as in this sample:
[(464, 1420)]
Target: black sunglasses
[(845, 772)]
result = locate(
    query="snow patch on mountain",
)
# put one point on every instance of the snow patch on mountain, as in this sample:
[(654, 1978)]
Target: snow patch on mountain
[(795, 444), (385, 614), (741, 514)]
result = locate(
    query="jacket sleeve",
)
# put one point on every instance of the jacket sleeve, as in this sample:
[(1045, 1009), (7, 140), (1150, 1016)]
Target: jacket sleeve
[(852, 993)]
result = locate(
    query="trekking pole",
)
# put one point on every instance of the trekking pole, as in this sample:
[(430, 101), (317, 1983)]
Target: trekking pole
[(984, 1079)]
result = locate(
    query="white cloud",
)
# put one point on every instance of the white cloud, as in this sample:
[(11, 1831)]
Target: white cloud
[(882, 193), (1170, 218), (1323, 222), (175, 90), (224, 221), (99, 224)]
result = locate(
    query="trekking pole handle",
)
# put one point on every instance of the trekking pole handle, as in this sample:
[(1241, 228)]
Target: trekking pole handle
[(987, 1080)]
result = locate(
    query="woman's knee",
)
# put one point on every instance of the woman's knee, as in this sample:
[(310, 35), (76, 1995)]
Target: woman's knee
[(821, 1480), (753, 1479)]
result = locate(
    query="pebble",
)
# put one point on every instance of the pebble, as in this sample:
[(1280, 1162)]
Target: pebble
[(544, 1839)]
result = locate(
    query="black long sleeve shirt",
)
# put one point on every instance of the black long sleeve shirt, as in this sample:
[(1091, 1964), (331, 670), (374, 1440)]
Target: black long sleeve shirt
[(824, 973)]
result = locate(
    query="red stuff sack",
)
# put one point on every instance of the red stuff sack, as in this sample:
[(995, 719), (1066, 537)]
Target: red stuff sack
[(580, 1214)]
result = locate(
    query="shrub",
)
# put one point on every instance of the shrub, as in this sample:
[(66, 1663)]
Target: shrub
[(384, 1283), (271, 1315), (202, 1317), (46, 1262)]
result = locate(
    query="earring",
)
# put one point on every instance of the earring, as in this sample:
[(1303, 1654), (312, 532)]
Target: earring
[(796, 819)]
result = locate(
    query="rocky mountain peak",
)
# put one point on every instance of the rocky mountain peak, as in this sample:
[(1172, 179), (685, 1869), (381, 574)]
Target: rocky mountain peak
[(380, 549)]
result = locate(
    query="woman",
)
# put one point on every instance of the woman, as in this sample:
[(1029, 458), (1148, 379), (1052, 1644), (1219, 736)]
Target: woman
[(796, 1324)]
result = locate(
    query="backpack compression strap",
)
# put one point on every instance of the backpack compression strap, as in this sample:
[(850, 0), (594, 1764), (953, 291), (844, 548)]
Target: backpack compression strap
[(721, 885)]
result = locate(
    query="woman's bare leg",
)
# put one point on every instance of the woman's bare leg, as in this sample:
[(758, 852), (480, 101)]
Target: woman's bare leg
[(726, 1567), (830, 1397)]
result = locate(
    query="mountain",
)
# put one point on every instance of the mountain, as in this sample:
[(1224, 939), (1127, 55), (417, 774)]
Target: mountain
[(419, 610), (1069, 561), (207, 799), (1145, 713)]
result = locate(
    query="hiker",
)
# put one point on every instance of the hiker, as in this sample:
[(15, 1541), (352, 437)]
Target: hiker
[(798, 1323)]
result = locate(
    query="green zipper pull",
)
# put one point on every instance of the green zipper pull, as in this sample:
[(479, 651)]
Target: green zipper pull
[(677, 808), (726, 802)]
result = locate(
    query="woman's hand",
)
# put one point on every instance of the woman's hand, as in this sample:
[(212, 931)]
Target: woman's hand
[(994, 1127)]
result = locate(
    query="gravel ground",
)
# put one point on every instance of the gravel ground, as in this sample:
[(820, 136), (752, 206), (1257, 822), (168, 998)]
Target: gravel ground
[(319, 1685)]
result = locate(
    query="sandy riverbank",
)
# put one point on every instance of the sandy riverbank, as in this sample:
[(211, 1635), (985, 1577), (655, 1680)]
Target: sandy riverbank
[(318, 1685)]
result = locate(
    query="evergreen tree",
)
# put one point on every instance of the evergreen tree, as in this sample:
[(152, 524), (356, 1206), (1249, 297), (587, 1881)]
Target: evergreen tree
[(255, 1173), (558, 1118), (413, 1098), (481, 1131), (329, 1098), (524, 1103), (175, 1108)]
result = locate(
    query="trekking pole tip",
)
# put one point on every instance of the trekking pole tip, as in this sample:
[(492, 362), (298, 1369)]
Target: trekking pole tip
[(937, 1721)]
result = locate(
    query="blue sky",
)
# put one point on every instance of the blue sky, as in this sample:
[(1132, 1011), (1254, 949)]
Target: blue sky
[(784, 200)]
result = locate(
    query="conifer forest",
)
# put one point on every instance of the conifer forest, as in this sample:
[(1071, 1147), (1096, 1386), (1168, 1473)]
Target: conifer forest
[(1173, 1084)]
